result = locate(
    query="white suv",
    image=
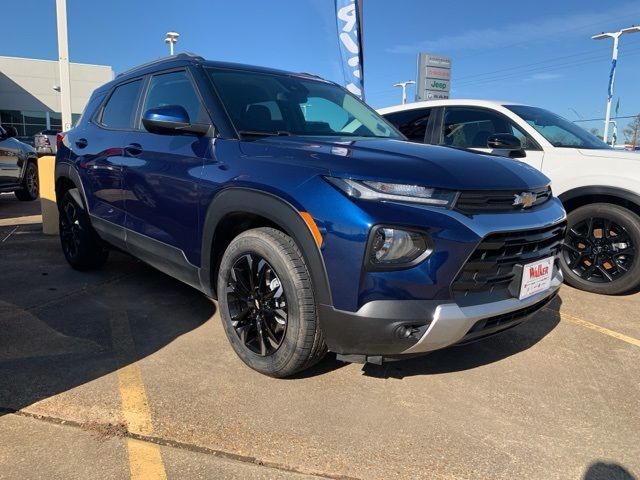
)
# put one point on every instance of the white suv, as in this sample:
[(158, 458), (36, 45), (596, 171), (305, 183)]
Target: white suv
[(599, 186)]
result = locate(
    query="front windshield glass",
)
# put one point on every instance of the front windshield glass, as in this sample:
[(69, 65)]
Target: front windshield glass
[(558, 131), (272, 104)]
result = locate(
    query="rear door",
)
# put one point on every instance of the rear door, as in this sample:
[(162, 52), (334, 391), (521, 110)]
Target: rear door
[(99, 153), (161, 174), (470, 127)]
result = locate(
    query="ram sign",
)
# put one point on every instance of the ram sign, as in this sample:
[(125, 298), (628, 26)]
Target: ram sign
[(434, 77)]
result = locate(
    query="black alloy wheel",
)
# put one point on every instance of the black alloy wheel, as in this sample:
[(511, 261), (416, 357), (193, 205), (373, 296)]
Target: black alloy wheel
[(267, 303), (599, 250), (70, 229), (30, 189), (81, 246), (31, 180), (257, 304)]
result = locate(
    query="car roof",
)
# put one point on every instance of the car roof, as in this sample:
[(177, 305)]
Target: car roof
[(183, 59), (449, 102)]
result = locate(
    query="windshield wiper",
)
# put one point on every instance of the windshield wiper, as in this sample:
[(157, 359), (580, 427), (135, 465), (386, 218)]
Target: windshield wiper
[(259, 133)]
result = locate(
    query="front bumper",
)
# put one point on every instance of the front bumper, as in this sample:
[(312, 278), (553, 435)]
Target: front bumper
[(404, 327)]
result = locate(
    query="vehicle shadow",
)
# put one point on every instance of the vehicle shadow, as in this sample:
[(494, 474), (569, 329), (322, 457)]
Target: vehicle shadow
[(608, 471), (62, 328), (476, 354)]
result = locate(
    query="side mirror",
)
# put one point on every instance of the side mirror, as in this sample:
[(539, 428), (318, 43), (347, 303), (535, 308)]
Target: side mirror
[(506, 141), (171, 120)]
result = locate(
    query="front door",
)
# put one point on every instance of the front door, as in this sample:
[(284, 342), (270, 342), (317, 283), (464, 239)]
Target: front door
[(161, 174), (470, 127)]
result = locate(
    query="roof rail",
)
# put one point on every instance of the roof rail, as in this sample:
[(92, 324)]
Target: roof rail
[(179, 56)]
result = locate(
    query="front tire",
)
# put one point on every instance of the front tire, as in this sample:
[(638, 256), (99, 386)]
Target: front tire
[(30, 188), (602, 249), (267, 303), (81, 245)]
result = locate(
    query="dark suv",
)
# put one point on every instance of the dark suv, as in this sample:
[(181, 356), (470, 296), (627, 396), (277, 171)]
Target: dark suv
[(304, 213), (18, 166)]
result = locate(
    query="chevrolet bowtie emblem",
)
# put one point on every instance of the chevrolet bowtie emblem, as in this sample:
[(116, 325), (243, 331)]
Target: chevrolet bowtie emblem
[(524, 199)]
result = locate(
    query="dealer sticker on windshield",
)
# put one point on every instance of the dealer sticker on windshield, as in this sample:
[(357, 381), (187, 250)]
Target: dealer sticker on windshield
[(536, 277)]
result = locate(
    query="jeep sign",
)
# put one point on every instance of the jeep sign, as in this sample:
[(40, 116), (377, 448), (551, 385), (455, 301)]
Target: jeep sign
[(434, 77)]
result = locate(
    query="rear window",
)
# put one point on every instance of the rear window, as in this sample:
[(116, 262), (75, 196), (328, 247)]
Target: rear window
[(119, 112)]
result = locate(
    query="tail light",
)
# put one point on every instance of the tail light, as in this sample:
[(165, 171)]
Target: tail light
[(59, 138)]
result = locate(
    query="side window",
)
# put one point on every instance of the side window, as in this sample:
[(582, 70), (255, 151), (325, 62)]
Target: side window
[(120, 110), (471, 127), (412, 123), (526, 143), (175, 88)]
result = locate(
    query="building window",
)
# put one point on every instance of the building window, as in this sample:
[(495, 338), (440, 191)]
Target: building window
[(28, 123)]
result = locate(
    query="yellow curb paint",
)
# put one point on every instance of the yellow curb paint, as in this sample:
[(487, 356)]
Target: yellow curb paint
[(46, 181), (598, 328), (145, 460)]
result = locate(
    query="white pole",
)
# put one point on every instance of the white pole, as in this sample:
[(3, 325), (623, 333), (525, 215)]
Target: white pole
[(63, 64), (403, 85), (614, 58), (171, 47)]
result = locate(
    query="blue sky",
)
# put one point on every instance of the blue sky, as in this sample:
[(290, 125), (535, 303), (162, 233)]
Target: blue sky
[(539, 52)]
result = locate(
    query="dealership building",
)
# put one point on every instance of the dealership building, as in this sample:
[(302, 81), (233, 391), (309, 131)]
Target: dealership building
[(29, 92)]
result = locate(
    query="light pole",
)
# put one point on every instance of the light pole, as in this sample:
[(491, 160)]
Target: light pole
[(171, 38), (612, 75), (404, 89), (63, 64)]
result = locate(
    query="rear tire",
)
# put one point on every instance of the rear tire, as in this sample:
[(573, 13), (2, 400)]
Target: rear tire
[(81, 245), (30, 188), (267, 303), (601, 253)]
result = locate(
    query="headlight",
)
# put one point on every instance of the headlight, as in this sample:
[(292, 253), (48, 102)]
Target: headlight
[(370, 190), (390, 247)]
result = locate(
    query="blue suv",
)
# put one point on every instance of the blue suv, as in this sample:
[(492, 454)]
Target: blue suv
[(307, 216)]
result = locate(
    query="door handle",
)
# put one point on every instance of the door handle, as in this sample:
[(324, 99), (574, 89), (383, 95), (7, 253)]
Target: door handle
[(81, 143), (133, 149)]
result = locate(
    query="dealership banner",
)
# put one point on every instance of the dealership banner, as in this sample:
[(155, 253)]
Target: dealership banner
[(349, 21)]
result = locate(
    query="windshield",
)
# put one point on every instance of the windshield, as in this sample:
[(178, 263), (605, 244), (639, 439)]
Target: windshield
[(558, 131), (273, 104)]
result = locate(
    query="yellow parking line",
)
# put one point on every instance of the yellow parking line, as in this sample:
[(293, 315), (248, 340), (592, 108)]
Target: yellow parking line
[(598, 328), (145, 460)]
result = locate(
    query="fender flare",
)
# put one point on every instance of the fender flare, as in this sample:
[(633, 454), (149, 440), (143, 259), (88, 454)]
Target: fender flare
[(66, 170), (621, 193), (276, 210)]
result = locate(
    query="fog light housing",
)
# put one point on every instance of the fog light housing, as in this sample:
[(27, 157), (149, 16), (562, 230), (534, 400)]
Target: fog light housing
[(393, 248)]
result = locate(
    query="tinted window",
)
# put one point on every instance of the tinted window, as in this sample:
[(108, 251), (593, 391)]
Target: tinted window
[(471, 127), (175, 88), (270, 104), (119, 112), (558, 131), (413, 123)]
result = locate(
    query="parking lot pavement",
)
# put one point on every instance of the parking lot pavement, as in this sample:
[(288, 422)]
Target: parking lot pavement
[(137, 367)]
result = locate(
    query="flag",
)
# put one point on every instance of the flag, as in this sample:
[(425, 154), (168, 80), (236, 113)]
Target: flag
[(617, 106), (611, 77), (349, 23)]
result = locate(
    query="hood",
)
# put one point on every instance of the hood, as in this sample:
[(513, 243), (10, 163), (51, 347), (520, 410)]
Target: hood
[(399, 162)]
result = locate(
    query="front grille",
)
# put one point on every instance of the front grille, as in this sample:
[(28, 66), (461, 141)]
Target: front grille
[(497, 201), (498, 259)]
